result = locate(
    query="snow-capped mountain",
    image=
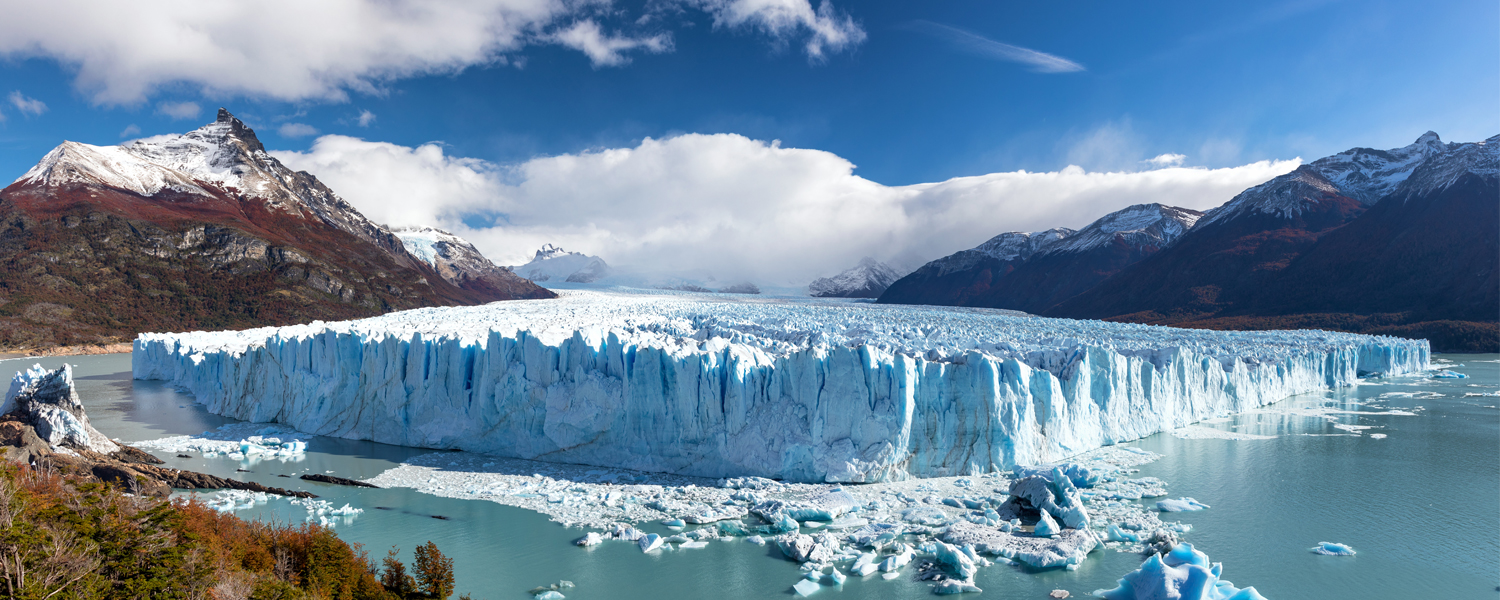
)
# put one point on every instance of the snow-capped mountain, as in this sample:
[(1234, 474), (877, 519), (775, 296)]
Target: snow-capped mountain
[(868, 279), (223, 157), (1362, 174), (1142, 225), (456, 260), (199, 230), (1400, 241), (554, 264), (1034, 271)]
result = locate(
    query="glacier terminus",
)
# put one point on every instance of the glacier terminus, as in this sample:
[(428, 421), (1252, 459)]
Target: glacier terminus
[(713, 385)]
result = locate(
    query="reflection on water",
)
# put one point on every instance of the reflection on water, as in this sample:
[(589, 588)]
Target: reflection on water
[(1419, 504)]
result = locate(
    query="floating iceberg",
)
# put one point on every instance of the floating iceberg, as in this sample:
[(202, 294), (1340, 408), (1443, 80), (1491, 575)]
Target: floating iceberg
[(1183, 573), (1333, 549), (717, 387), (1180, 505), (1446, 374)]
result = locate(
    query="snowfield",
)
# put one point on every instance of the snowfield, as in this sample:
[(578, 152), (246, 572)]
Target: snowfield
[(725, 386)]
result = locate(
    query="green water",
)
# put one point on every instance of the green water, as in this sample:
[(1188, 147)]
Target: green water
[(1421, 506)]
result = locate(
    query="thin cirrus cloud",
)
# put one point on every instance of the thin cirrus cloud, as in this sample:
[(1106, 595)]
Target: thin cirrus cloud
[(30, 107), (974, 43), (296, 130), (605, 50), (731, 206), (179, 110), (124, 52)]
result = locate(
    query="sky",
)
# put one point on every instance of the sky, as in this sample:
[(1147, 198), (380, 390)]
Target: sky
[(773, 140)]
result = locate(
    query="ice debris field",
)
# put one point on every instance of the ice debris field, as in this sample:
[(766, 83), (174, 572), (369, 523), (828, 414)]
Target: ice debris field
[(718, 386)]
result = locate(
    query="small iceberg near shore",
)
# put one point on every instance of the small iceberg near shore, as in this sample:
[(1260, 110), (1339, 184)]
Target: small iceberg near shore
[(1332, 549), (1184, 573)]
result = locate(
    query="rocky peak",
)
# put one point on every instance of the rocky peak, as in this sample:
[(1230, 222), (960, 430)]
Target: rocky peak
[(1156, 225), (238, 129)]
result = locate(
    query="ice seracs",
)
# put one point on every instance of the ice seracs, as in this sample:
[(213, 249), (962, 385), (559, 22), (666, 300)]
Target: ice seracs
[(47, 400), (1183, 573), (719, 387)]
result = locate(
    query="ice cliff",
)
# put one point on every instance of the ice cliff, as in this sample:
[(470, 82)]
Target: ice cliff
[(716, 386)]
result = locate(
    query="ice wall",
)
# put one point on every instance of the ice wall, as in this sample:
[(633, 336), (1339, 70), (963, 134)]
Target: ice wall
[(713, 386)]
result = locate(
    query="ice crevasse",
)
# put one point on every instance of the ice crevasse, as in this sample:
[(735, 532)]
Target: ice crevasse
[(715, 386)]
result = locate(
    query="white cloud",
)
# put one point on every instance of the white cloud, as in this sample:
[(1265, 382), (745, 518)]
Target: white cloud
[(1040, 62), (131, 129), (179, 110), (27, 106), (605, 50), (829, 30), (1167, 160), (732, 206), (366, 118), (296, 130), (123, 52)]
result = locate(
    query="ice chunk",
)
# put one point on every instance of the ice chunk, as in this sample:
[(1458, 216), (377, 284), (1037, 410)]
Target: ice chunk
[(1446, 374), (1182, 573), (1053, 494), (1333, 549), (955, 587), (1080, 475), (806, 588), (1180, 505), (650, 542), (757, 540), (1046, 527), (549, 595), (592, 538), (1119, 535), (599, 378), (691, 545), (955, 561)]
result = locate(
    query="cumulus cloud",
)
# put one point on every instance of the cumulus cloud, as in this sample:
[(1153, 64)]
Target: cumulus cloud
[(1167, 160), (738, 208), (292, 50), (27, 106), (179, 110), (974, 43), (828, 30), (296, 130), (606, 50), (366, 118)]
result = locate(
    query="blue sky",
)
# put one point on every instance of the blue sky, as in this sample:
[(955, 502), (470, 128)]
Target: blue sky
[(907, 92)]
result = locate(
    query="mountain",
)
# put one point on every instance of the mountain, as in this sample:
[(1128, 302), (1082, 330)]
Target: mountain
[(868, 279), (1034, 272), (203, 230), (555, 264), (1403, 242), (461, 264)]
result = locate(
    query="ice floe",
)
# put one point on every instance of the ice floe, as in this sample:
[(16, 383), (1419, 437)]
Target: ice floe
[(1332, 549)]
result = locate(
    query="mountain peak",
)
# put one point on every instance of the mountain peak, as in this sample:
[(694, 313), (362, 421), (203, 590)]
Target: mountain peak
[(224, 116), (1429, 138), (228, 125)]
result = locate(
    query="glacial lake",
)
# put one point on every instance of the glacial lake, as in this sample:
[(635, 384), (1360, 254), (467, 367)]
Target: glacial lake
[(1421, 505)]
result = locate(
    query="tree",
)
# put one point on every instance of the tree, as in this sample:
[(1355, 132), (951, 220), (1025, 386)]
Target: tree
[(395, 579), (434, 572)]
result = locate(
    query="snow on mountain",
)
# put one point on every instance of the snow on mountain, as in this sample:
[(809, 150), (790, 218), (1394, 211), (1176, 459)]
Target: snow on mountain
[(451, 256), (721, 387), (1011, 246), (224, 154), (866, 280), (552, 263), (1480, 158), (1367, 175), (1364, 174), (1156, 225)]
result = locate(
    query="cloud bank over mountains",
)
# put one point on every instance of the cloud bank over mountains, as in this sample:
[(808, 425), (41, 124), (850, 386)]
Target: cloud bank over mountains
[(731, 206), (124, 52)]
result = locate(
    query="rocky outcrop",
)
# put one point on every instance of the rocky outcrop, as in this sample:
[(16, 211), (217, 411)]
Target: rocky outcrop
[(44, 425)]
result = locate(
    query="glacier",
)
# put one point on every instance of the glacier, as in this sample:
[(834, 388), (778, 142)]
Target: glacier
[(723, 386)]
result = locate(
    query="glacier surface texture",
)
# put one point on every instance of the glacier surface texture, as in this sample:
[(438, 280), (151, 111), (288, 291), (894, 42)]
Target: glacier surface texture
[(719, 386)]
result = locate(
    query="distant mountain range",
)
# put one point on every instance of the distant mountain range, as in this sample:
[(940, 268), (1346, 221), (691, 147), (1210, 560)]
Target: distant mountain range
[(206, 231), (868, 279), (553, 264), (1403, 242)]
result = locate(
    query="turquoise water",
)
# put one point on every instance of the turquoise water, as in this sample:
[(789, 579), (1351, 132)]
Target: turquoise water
[(1421, 506)]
